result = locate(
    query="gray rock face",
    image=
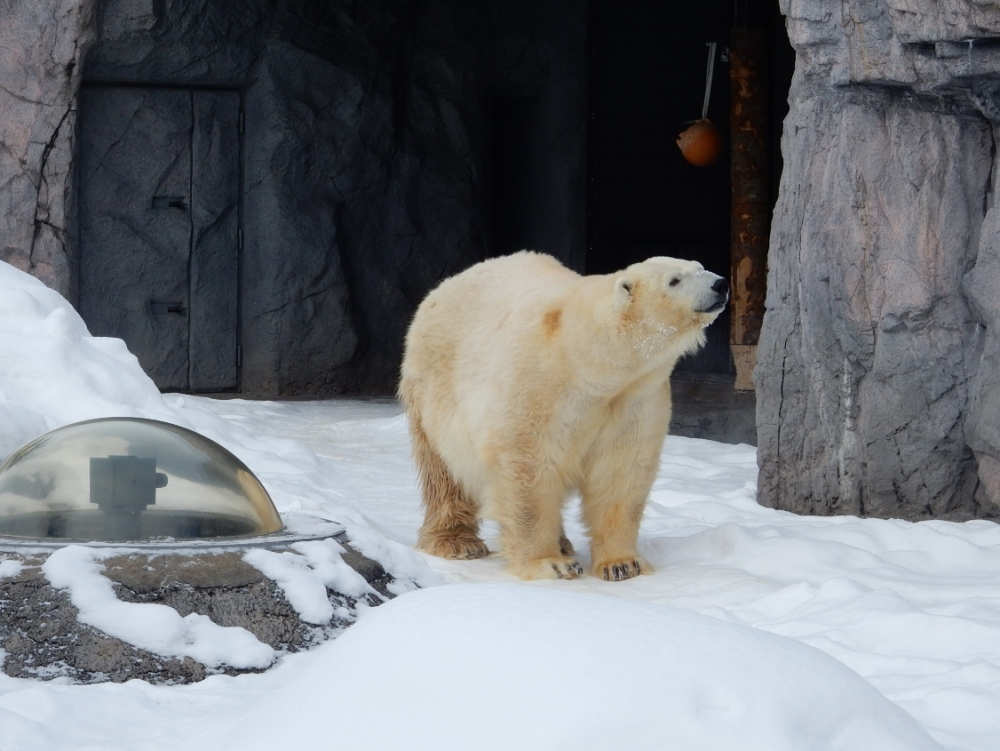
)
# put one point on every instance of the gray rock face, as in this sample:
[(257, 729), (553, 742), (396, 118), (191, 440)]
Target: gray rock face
[(41, 47), (876, 374)]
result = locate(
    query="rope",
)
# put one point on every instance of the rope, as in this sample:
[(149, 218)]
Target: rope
[(708, 78)]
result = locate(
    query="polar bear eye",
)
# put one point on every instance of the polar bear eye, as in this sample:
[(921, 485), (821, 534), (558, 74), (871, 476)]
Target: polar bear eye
[(675, 281)]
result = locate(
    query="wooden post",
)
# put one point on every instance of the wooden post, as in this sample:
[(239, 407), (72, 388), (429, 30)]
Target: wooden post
[(750, 224)]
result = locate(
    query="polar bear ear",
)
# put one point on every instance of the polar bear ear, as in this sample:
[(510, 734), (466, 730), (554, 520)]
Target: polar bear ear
[(623, 291)]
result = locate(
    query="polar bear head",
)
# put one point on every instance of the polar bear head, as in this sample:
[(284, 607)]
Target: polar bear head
[(664, 305)]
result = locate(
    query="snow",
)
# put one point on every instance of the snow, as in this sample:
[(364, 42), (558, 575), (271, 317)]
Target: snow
[(571, 670), (305, 577), (759, 628), (10, 568)]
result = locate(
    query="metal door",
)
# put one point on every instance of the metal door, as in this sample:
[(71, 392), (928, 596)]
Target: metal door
[(159, 224)]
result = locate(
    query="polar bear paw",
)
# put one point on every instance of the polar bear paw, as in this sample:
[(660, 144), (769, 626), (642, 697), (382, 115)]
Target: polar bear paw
[(461, 548), (566, 568), (550, 568), (622, 568)]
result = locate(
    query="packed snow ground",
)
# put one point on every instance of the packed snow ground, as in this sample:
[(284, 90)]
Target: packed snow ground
[(758, 629)]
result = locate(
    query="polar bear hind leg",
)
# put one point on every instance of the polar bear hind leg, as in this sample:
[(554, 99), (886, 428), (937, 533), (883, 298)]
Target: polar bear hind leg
[(565, 546), (451, 520)]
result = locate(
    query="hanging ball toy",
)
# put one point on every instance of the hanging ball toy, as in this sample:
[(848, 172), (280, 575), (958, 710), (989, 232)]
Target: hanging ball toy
[(701, 143)]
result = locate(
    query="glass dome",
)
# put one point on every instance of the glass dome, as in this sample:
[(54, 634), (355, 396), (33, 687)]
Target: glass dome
[(129, 479)]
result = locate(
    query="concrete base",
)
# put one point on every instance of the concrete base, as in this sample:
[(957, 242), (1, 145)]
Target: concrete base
[(713, 409)]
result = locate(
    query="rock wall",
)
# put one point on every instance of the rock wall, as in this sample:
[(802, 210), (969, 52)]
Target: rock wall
[(42, 43), (365, 153), (878, 371)]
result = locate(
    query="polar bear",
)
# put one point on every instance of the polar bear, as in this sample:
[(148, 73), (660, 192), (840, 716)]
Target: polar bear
[(524, 381)]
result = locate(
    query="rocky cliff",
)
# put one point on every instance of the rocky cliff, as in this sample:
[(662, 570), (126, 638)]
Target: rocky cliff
[(877, 374), (42, 43)]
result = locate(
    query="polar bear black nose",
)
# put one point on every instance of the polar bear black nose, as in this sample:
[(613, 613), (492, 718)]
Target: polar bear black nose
[(721, 286)]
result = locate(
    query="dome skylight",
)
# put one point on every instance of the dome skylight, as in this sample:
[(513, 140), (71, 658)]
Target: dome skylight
[(130, 479)]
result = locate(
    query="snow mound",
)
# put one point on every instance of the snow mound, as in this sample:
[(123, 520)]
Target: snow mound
[(53, 372), (499, 666)]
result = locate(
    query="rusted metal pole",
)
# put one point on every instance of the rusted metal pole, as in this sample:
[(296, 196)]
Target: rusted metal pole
[(751, 212)]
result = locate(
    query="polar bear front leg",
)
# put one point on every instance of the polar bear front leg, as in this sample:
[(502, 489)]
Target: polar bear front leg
[(618, 474), (615, 531), (534, 547), (531, 531)]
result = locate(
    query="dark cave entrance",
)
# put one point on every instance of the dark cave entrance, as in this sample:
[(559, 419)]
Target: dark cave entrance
[(646, 73), (516, 216), (360, 185)]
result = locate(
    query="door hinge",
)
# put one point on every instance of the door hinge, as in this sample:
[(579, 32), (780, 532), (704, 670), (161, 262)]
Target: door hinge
[(239, 238), (239, 357), (241, 121)]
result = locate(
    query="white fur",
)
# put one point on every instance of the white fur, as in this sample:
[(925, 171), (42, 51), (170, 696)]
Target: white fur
[(524, 381)]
